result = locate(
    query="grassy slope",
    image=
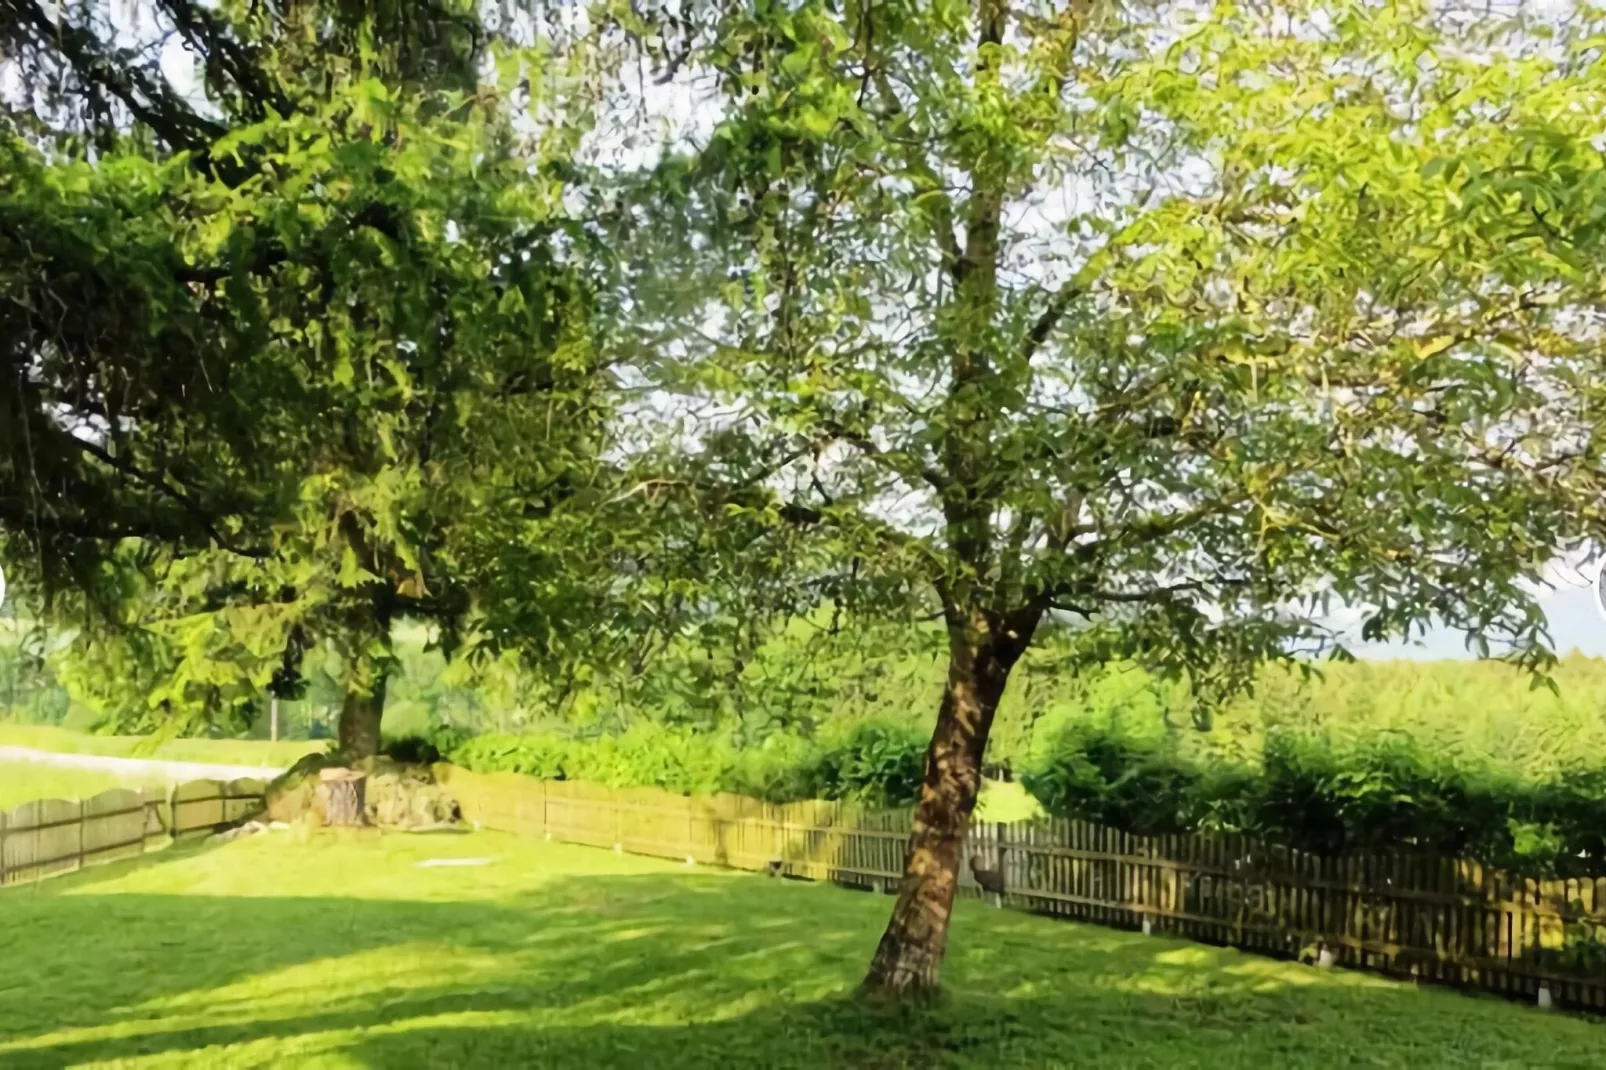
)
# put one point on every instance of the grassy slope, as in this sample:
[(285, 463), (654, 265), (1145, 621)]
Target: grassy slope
[(223, 751), (340, 952), (22, 782)]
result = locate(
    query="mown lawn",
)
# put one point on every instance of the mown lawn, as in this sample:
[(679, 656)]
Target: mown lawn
[(342, 952)]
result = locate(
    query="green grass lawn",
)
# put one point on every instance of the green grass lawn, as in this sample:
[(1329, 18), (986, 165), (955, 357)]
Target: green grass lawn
[(221, 751), (342, 952), (22, 782)]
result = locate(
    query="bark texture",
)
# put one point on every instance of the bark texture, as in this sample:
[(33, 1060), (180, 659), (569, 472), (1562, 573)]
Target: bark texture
[(362, 712), (908, 960), (344, 798)]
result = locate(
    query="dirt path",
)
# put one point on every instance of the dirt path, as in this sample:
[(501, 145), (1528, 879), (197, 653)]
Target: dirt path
[(133, 767)]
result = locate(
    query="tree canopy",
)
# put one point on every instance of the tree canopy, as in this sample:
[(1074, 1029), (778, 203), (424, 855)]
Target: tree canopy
[(1181, 325), (1170, 326), (334, 337)]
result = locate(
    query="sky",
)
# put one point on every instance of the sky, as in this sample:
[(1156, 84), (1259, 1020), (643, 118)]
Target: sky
[(1569, 604)]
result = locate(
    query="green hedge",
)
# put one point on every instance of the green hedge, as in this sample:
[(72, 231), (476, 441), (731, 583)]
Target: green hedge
[(873, 763), (1385, 795), (1305, 792)]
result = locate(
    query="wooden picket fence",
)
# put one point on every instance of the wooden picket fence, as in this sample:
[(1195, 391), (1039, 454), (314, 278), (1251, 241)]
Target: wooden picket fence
[(52, 836), (1434, 919)]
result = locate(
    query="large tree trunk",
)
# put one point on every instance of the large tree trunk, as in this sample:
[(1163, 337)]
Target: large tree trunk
[(364, 708), (909, 958)]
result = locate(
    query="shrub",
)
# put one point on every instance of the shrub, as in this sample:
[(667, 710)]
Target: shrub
[(873, 763), (1565, 823), (1142, 786), (1383, 795), (651, 755), (783, 768), (412, 750), (497, 752)]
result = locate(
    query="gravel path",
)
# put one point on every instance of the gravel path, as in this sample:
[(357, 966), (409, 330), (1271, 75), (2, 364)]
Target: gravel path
[(137, 766)]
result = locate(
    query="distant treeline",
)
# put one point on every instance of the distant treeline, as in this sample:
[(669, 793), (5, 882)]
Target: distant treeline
[(809, 682)]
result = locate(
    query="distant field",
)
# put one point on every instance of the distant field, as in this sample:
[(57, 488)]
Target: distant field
[(22, 782), (222, 751), (1474, 713)]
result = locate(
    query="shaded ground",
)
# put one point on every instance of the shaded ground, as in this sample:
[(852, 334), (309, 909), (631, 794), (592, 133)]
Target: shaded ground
[(342, 952)]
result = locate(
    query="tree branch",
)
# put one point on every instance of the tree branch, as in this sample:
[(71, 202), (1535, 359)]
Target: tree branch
[(164, 113)]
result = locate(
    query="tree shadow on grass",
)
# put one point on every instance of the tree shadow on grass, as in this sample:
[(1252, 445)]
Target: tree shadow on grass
[(665, 970)]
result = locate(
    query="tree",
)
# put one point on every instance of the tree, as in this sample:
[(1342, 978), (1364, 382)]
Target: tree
[(317, 333), (1171, 325)]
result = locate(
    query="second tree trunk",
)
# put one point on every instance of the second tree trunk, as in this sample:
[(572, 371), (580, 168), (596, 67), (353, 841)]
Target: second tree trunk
[(908, 960), (363, 710)]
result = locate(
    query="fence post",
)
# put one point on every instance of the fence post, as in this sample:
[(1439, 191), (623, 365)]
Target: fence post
[(172, 812), (618, 821), (80, 834)]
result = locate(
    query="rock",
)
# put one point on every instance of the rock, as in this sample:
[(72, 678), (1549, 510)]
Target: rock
[(294, 793), (396, 796), (250, 828)]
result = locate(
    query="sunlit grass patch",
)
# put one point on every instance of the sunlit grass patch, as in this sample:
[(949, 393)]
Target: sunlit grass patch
[(342, 951)]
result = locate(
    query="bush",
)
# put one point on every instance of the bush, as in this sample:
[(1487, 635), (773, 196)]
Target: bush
[(1129, 784), (784, 768), (412, 750), (495, 752), (1384, 795), (873, 763)]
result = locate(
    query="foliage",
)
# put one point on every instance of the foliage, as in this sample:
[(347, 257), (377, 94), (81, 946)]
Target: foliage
[(1390, 794), (1107, 315), (250, 955), (1186, 413), (29, 691), (872, 763), (882, 764), (354, 314), (806, 682)]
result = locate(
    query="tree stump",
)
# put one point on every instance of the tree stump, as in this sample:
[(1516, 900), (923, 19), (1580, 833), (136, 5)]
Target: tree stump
[(342, 794)]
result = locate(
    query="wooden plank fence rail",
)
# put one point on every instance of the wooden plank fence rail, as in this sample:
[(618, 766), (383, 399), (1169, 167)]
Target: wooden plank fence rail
[(51, 836), (1436, 919)]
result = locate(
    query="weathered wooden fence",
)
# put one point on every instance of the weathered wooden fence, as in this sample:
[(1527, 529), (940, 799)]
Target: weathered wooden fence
[(50, 836), (1432, 918)]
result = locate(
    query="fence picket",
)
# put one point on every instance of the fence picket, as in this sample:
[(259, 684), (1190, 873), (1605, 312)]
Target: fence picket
[(47, 837)]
